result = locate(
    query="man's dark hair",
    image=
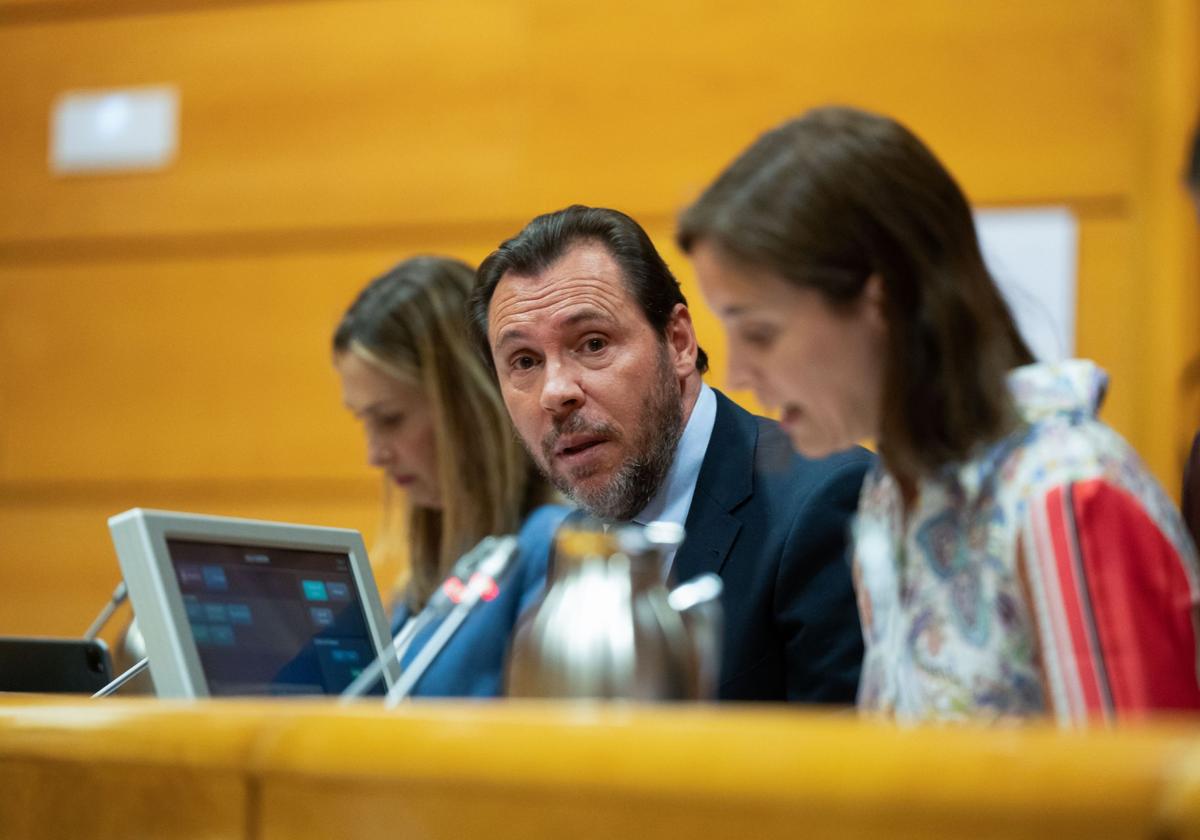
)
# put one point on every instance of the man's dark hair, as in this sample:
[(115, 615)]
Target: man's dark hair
[(548, 237)]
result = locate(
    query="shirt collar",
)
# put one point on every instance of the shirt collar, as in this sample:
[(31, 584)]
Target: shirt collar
[(674, 497), (1040, 392), (1074, 387)]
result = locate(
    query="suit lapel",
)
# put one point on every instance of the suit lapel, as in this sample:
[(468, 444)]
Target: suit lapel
[(726, 480)]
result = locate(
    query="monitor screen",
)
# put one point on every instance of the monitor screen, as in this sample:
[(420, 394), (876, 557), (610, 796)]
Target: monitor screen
[(269, 620), (241, 607)]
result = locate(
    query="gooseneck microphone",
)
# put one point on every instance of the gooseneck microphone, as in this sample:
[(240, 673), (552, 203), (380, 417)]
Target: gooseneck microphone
[(119, 594), (481, 586), (440, 603), (115, 600)]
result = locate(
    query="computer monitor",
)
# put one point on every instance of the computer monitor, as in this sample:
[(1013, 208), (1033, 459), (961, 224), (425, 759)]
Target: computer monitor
[(236, 607)]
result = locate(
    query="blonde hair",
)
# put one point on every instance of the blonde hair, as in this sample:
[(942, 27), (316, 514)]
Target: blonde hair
[(410, 323)]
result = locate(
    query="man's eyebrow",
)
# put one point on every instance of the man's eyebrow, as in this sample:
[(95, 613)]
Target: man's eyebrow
[(587, 314), (509, 335)]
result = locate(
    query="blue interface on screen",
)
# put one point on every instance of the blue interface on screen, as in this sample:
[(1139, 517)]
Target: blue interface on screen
[(272, 620)]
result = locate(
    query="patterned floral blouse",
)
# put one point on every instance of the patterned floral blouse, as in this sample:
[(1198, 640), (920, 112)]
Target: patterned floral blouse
[(1049, 574)]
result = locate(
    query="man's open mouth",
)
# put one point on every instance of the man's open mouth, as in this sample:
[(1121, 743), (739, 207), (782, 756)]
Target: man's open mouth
[(576, 447)]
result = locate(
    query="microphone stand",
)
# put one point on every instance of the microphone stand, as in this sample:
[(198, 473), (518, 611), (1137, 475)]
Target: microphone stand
[(142, 664), (490, 569), (366, 678), (119, 594), (115, 600), (438, 604)]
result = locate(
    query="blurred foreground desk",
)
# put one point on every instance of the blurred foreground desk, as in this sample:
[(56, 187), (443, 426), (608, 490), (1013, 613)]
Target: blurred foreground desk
[(268, 770)]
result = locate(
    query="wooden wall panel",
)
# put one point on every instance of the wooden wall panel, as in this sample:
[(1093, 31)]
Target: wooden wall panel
[(1166, 243), (1106, 331), (293, 115), (1023, 100), (312, 115), (200, 368)]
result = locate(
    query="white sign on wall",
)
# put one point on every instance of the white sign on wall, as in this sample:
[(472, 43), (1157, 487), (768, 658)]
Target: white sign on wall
[(119, 130), (1032, 253)]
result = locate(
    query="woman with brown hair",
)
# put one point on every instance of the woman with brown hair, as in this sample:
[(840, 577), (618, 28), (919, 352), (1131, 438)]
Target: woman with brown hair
[(454, 471), (1012, 555)]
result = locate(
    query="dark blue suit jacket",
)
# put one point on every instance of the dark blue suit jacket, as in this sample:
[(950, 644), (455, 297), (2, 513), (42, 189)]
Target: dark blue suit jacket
[(775, 527)]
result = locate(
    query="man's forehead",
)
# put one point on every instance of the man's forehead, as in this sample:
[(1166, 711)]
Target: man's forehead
[(585, 264), (584, 282)]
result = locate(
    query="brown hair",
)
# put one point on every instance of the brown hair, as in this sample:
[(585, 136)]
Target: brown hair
[(838, 195), (410, 323)]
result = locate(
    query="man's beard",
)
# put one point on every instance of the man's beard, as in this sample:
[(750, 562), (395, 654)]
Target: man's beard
[(634, 482)]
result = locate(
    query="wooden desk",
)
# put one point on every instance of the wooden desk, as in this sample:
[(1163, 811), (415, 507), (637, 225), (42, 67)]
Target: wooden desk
[(267, 770)]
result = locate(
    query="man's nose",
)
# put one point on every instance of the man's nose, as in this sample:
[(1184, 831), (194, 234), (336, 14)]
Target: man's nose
[(562, 391)]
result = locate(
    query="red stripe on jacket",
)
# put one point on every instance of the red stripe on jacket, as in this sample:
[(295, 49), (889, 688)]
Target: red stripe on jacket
[(1123, 580)]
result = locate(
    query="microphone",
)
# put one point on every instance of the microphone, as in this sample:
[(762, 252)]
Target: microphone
[(440, 603), (481, 586), (115, 600)]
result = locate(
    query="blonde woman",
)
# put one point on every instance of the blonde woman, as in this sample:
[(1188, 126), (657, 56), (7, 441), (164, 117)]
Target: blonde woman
[(437, 428)]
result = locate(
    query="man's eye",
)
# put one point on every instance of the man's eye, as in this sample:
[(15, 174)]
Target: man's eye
[(595, 345), (523, 362), (390, 421)]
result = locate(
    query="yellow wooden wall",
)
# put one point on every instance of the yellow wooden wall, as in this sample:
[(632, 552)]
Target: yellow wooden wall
[(163, 337)]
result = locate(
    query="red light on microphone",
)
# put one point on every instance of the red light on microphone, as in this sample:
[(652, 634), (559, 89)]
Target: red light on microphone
[(454, 589), (486, 586)]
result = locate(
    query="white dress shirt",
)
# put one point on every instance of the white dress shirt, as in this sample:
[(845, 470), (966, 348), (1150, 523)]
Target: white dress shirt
[(674, 498)]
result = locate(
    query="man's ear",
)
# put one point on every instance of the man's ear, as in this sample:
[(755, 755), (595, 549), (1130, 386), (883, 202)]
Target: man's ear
[(681, 341)]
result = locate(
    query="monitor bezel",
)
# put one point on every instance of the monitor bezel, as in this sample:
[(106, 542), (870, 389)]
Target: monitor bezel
[(140, 537)]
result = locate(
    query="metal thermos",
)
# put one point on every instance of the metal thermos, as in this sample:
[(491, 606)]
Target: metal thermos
[(607, 627)]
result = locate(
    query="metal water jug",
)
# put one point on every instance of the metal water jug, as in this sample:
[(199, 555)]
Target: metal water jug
[(608, 628)]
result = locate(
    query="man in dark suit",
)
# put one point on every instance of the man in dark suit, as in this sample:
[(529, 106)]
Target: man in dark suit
[(597, 360)]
